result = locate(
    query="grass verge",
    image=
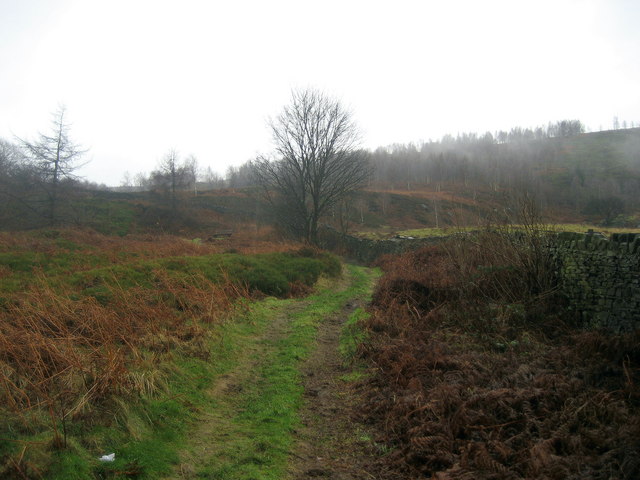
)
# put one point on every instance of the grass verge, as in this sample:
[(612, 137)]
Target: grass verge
[(232, 412)]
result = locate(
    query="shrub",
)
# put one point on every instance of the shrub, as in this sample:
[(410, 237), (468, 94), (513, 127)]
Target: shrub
[(264, 279), (274, 273)]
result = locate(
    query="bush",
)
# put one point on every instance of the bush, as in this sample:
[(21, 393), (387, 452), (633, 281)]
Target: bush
[(275, 273), (331, 265), (264, 279)]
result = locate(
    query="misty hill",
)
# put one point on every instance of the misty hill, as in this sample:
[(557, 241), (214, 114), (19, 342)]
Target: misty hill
[(592, 175)]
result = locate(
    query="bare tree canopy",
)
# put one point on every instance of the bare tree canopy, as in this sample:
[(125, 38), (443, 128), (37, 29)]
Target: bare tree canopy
[(55, 158), (318, 161), (172, 177)]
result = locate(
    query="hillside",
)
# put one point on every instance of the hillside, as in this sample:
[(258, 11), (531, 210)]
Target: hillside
[(468, 181)]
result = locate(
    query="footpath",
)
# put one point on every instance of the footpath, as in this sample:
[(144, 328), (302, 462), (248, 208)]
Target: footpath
[(282, 409)]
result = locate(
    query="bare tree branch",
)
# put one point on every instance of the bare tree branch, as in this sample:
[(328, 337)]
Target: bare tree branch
[(317, 163)]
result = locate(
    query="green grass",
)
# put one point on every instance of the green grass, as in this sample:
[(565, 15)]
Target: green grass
[(434, 232), (352, 335), (146, 433), (257, 435), (109, 217), (94, 275)]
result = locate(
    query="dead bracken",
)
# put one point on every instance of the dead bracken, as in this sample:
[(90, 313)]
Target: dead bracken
[(472, 387)]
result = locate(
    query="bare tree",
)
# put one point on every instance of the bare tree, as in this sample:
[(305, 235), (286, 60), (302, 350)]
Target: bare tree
[(141, 181), (317, 161), (126, 181), (55, 158), (213, 180), (191, 169), (16, 186), (171, 178)]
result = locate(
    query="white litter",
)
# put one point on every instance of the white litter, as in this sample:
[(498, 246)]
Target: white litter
[(108, 458)]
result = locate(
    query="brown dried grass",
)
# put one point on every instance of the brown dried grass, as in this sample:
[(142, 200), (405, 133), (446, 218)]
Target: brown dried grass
[(245, 239), (66, 358)]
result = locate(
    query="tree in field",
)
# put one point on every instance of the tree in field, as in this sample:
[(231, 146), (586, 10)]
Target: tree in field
[(171, 178), (191, 169), (317, 162), (55, 158)]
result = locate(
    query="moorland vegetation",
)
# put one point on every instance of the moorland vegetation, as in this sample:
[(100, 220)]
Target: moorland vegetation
[(96, 331), (478, 371), (118, 305)]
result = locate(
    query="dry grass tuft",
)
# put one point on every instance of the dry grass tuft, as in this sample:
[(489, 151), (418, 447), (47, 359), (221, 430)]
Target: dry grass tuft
[(68, 356)]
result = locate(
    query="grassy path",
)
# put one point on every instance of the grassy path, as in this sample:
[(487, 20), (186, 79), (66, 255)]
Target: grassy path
[(329, 443), (250, 426)]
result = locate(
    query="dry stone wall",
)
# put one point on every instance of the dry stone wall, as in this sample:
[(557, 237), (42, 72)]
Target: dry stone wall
[(600, 278), (366, 250)]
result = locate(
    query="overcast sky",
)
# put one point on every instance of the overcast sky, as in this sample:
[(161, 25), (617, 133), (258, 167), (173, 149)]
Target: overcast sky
[(139, 77)]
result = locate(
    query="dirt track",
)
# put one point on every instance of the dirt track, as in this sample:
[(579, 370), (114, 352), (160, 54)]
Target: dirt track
[(330, 444)]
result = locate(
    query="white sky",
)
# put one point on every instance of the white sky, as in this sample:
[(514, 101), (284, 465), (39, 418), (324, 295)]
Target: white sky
[(139, 77)]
